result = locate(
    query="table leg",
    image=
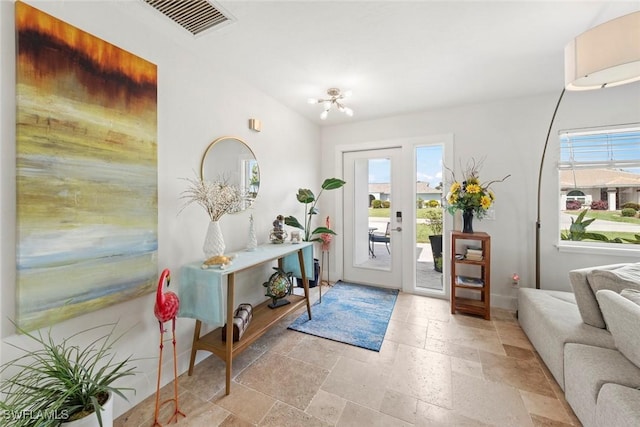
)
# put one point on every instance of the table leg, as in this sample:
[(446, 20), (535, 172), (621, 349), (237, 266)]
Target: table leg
[(305, 281), (196, 337), (229, 343)]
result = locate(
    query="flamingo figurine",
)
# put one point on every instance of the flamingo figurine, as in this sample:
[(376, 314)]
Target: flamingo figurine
[(166, 308)]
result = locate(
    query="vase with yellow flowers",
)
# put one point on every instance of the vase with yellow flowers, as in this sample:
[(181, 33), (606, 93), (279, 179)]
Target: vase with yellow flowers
[(470, 195)]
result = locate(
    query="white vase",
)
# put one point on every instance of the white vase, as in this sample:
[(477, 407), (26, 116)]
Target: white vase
[(92, 419), (214, 242)]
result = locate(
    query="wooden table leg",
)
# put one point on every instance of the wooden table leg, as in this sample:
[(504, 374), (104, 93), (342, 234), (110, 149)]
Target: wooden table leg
[(229, 344), (196, 337), (305, 281)]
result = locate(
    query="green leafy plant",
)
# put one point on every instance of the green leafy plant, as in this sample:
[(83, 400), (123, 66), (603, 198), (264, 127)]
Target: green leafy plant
[(438, 263), (578, 229), (59, 382), (310, 201), (434, 215)]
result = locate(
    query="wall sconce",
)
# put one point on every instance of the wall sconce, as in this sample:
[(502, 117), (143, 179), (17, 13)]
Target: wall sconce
[(255, 124)]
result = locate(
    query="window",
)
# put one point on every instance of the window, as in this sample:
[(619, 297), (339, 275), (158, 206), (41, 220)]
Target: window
[(600, 180)]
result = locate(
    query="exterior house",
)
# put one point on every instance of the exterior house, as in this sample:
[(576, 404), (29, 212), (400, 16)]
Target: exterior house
[(616, 187), (382, 191)]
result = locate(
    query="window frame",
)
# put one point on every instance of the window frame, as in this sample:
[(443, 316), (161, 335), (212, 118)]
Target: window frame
[(593, 247)]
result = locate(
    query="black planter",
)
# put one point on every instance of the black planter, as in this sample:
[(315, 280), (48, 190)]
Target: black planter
[(436, 250), (316, 272)]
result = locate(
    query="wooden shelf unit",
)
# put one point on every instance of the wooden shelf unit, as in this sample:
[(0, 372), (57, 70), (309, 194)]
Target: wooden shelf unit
[(482, 305)]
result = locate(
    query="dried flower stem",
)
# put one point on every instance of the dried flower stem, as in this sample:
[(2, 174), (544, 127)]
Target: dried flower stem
[(217, 197)]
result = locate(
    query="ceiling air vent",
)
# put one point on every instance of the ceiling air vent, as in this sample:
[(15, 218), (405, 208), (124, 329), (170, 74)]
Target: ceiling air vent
[(195, 16)]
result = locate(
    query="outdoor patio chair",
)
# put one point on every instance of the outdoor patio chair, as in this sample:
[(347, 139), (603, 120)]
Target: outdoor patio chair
[(380, 238)]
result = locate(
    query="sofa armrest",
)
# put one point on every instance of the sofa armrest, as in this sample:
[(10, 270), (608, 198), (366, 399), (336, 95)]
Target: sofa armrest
[(618, 406)]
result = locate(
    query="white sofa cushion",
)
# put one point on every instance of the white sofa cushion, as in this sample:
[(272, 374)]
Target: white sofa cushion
[(632, 295), (618, 406), (587, 369), (551, 319), (622, 317), (586, 296)]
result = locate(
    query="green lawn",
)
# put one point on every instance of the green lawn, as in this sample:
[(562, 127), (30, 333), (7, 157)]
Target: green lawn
[(606, 215), (423, 231)]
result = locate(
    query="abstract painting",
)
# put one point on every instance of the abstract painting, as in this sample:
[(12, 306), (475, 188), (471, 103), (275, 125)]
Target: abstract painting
[(86, 172)]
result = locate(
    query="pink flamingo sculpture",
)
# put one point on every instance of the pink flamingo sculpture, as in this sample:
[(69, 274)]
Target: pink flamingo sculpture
[(166, 308)]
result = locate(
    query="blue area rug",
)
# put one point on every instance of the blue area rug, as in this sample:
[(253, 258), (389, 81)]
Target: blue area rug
[(352, 314)]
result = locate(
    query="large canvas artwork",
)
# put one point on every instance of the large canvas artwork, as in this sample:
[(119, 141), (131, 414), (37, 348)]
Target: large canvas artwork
[(86, 171)]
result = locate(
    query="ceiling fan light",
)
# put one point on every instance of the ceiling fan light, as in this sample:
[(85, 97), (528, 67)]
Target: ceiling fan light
[(324, 114), (348, 111), (347, 94), (312, 100)]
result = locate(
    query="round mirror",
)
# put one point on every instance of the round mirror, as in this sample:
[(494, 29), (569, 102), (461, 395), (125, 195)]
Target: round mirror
[(230, 159)]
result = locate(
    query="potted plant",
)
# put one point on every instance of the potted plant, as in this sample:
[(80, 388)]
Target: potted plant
[(434, 215), (63, 383), (307, 197), (310, 201)]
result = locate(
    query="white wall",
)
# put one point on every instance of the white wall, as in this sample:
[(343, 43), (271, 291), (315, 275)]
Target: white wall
[(511, 135), (195, 105)]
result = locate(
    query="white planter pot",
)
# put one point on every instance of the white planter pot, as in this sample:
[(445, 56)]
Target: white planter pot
[(92, 420)]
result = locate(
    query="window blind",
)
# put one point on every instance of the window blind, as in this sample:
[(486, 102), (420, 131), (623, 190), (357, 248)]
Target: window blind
[(612, 148)]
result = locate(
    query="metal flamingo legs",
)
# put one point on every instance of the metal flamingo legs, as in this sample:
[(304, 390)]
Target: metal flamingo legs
[(166, 309)]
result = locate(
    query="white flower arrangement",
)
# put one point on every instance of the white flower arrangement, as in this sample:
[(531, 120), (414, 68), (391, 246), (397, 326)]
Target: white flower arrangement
[(216, 197)]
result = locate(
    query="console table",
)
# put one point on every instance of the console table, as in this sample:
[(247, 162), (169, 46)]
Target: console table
[(198, 282)]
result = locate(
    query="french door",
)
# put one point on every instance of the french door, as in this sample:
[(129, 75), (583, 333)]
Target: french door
[(398, 188), (372, 209)]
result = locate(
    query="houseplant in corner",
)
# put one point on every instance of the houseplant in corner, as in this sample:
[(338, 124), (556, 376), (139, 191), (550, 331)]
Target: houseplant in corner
[(306, 197), (434, 215), (63, 382)]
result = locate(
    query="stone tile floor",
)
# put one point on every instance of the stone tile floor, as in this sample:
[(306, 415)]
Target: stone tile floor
[(434, 369)]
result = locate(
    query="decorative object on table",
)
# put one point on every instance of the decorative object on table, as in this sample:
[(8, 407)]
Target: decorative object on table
[(307, 197), (253, 239), (241, 318), (86, 170), (278, 234), (326, 245), (295, 237), (279, 285), (606, 55), (218, 261), (165, 309), (59, 377), (470, 196), (351, 313), (217, 198)]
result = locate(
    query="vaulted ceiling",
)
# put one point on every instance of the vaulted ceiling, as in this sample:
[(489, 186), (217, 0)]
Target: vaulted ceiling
[(396, 56)]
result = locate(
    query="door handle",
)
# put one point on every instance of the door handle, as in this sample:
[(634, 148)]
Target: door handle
[(397, 229)]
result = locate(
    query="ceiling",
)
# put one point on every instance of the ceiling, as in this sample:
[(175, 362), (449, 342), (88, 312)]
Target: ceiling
[(396, 57)]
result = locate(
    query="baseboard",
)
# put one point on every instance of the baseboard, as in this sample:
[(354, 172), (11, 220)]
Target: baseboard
[(505, 302)]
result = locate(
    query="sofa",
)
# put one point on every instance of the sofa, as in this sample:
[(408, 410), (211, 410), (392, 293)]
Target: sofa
[(590, 341)]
